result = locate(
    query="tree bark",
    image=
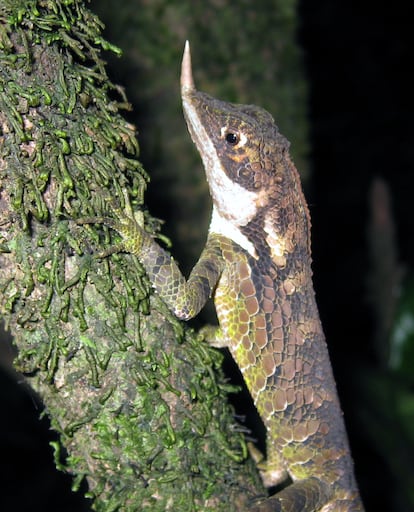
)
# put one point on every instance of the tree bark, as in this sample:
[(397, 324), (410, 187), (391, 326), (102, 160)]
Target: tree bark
[(139, 401)]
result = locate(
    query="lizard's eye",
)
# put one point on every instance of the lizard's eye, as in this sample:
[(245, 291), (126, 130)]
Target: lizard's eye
[(233, 137)]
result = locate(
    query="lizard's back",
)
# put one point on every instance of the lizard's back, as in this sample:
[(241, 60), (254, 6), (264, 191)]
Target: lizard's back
[(270, 319)]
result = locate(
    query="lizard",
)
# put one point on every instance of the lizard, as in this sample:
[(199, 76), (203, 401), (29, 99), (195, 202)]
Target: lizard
[(257, 265)]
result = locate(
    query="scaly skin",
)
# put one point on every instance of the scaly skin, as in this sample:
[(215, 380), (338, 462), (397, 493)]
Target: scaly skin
[(257, 263)]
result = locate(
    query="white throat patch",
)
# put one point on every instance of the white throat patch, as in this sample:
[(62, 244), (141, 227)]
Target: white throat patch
[(225, 227), (234, 204)]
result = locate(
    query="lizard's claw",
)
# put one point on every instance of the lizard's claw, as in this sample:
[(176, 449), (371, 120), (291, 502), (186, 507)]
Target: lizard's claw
[(126, 223)]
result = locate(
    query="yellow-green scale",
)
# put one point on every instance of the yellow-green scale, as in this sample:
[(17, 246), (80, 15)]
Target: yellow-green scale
[(274, 334)]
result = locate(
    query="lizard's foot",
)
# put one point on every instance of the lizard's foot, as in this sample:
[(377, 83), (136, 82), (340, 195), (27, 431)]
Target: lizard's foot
[(213, 335), (272, 475), (127, 223)]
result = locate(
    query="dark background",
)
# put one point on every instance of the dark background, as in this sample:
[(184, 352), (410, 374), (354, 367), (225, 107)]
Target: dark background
[(358, 64), (357, 57)]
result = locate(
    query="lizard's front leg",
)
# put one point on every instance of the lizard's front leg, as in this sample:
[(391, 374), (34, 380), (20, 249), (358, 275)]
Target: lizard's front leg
[(184, 297)]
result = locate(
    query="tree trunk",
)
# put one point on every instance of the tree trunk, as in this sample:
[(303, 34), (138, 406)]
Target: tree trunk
[(139, 402)]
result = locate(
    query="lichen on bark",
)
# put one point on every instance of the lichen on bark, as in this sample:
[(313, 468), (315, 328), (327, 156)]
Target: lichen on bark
[(139, 401)]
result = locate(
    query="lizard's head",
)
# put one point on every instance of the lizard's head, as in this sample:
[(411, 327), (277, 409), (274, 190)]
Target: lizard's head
[(245, 157)]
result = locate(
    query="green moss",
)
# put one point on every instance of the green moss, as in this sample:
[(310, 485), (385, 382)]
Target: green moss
[(140, 404)]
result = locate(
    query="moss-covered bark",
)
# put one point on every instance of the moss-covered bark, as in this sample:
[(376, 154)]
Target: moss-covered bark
[(139, 402)]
